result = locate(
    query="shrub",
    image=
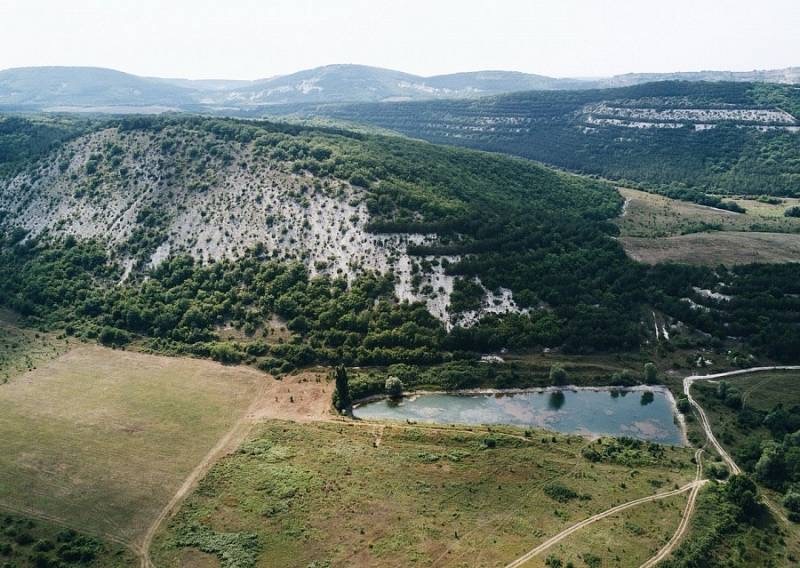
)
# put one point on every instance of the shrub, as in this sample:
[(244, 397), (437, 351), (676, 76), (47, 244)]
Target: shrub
[(792, 212), (560, 493), (650, 373), (558, 375), (113, 336), (225, 353), (792, 501)]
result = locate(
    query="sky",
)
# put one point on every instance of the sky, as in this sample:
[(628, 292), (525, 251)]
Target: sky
[(249, 39)]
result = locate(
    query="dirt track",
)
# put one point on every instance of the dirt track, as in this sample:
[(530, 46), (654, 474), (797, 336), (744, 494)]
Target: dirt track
[(693, 487), (301, 398)]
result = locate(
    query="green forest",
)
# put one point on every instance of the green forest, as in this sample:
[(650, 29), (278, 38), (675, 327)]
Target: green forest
[(682, 163), (543, 234)]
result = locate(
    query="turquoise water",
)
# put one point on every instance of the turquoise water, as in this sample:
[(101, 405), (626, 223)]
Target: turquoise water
[(601, 412)]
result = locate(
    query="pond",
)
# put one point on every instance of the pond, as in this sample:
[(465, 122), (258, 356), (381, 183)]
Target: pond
[(647, 414)]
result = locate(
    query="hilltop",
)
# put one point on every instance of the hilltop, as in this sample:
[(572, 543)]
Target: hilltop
[(105, 90)]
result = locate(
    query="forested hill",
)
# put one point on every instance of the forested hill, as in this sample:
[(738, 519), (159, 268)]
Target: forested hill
[(371, 250), (680, 138)]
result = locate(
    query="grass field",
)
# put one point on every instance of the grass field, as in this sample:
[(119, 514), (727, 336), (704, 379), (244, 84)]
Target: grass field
[(650, 215), (345, 494), (101, 439), (625, 540), (713, 249), (656, 229)]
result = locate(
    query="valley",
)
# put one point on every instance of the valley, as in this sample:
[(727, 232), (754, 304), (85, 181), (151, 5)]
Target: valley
[(182, 295)]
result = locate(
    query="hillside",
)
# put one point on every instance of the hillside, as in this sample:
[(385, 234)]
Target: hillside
[(91, 89), (285, 245), (46, 87), (677, 137)]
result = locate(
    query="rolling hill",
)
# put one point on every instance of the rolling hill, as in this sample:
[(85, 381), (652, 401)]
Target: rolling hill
[(685, 139), (106, 90), (370, 249)]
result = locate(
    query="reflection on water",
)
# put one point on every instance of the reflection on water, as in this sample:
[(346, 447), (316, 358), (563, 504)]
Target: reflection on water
[(556, 400), (583, 411)]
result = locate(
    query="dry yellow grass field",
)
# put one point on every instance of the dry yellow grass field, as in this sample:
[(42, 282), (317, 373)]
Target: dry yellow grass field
[(100, 439), (657, 229), (715, 248)]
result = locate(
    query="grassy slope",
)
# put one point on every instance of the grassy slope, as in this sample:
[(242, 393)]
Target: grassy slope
[(655, 228), (650, 215), (324, 492), (101, 439)]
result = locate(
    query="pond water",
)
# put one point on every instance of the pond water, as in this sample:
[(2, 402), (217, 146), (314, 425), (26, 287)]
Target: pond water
[(593, 412)]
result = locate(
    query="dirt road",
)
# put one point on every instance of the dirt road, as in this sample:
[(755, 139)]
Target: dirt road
[(683, 526), (598, 517), (732, 466), (301, 398), (687, 387)]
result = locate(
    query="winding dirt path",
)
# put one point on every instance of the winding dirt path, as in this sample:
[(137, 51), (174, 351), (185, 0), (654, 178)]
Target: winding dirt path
[(683, 526), (600, 516), (704, 422), (734, 468), (230, 441)]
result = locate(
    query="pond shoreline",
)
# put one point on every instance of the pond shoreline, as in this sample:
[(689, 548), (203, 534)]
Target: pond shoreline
[(678, 417)]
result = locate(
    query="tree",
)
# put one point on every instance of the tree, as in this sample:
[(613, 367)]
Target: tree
[(770, 468), (741, 491), (558, 375), (344, 402), (394, 387), (792, 501), (650, 373)]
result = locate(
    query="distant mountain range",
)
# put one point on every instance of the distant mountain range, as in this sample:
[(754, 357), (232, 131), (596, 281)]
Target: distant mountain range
[(86, 88)]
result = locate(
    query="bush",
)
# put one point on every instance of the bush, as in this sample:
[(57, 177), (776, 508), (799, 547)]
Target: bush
[(650, 373), (558, 375), (560, 493), (113, 336), (716, 470), (792, 501), (225, 353), (394, 387), (792, 212)]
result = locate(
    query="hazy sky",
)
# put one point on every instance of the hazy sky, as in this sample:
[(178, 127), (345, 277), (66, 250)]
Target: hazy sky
[(248, 39)]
